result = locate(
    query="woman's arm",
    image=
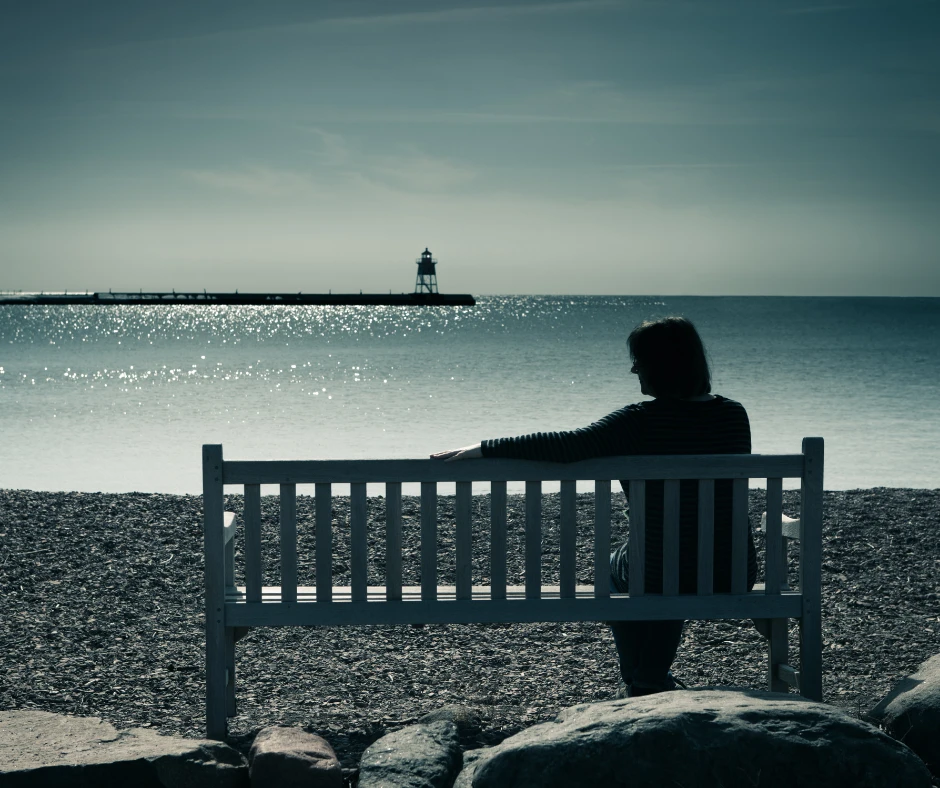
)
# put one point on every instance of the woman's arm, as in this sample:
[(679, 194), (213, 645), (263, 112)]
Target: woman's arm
[(616, 433)]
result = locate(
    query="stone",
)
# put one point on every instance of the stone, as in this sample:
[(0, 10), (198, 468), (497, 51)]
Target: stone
[(467, 720), (39, 749), (911, 713), (419, 756), (698, 739), (283, 757)]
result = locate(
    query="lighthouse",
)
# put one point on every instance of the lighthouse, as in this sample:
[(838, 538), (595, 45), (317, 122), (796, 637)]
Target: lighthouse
[(426, 281)]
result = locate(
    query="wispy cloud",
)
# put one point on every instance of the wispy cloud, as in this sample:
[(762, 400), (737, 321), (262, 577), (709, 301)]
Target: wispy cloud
[(418, 171), (338, 168), (255, 181), (818, 9), (453, 15)]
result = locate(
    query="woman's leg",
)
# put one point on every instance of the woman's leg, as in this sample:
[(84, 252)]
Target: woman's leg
[(646, 649)]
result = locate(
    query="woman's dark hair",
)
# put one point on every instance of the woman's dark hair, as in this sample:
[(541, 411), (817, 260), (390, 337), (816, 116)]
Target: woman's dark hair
[(670, 354)]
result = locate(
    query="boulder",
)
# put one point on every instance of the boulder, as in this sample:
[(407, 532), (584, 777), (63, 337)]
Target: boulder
[(419, 756), (39, 749), (699, 738), (467, 720), (911, 713), (284, 757)]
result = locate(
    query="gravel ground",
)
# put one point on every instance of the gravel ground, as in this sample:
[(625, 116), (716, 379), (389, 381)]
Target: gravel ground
[(101, 599)]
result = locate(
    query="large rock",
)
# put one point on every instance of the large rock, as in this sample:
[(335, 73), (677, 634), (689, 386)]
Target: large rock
[(419, 756), (466, 719), (283, 757), (911, 712), (39, 749), (698, 738)]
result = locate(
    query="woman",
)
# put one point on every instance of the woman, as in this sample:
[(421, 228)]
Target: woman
[(684, 417)]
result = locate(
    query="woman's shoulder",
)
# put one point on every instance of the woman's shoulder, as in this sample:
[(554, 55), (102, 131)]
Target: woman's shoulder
[(730, 404)]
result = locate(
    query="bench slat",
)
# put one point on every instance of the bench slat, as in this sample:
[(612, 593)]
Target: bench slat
[(683, 466), (464, 533), (358, 540), (429, 540), (568, 537), (515, 608), (739, 536), (228, 539), (775, 551), (324, 541), (601, 538), (252, 517), (637, 547), (289, 541), (480, 593), (533, 539), (393, 539), (706, 536), (498, 539), (671, 537)]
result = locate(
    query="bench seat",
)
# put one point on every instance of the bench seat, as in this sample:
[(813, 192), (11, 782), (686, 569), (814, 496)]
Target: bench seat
[(447, 609)]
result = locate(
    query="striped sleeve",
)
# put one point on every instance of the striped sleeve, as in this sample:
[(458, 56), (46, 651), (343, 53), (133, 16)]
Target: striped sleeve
[(617, 433)]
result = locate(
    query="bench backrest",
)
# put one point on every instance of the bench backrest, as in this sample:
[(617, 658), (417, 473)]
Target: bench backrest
[(705, 469)]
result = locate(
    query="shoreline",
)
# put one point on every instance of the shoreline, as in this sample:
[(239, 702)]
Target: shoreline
[(103, 617)]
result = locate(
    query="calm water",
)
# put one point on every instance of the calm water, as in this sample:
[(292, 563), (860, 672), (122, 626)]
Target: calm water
[(121, 398)]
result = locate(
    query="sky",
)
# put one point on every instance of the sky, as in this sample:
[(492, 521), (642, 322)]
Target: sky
[(753, 147)]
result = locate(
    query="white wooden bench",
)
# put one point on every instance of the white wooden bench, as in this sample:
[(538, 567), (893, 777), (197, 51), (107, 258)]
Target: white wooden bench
[(230, 609)]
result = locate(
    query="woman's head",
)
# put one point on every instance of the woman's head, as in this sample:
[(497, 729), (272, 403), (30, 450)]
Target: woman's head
[(669, 357)]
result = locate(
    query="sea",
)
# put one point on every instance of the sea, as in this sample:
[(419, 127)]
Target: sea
[(121, 398)]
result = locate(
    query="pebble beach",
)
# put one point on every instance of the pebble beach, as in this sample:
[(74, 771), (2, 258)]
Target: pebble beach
[(102, 600)]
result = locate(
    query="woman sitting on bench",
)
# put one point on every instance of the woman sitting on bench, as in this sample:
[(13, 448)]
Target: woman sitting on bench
[(684, 417)]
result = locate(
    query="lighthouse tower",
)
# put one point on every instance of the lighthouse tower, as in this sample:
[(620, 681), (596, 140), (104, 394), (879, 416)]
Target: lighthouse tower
[(426, 281)]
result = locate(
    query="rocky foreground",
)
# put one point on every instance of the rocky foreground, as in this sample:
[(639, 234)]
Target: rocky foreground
[(102, 615)]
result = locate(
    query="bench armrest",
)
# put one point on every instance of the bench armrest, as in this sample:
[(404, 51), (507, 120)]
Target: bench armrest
[(790, 529)]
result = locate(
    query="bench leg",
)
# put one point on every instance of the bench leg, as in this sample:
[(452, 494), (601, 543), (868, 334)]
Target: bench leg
[(811, 656), (777, 653), (216, 726), (229, 672)]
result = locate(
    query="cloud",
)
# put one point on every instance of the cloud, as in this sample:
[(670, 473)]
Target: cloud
[(255, 181), (333, 150), (817, 9), (418, 171), (459, 15)]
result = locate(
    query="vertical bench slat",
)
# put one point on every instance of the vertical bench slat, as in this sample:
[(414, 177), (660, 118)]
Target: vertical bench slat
[(533, 540), (358, 541), (706, 536), (324, 533), (739, 536), (637, 547), (229, 538), (429, 541), (568, 538), (393, 541), (811, 515), (671, 537), (252, 517), (774, 556), (601, 538), (288, 543), (498, 540), (464, 541)]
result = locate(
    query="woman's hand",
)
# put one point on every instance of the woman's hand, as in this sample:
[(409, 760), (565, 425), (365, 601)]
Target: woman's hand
[(466, 453)]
